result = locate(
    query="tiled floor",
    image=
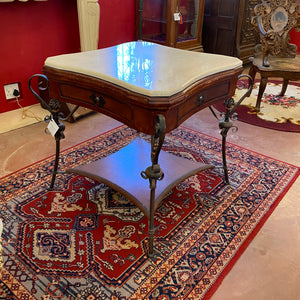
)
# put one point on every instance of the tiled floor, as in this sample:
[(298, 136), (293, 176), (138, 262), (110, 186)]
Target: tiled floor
[(269, 269)]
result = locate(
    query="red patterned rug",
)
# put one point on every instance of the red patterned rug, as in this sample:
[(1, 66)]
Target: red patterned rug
[(85, 241), (276, 112)]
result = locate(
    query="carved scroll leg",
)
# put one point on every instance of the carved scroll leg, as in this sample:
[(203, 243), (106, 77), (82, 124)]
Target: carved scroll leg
[(225, 125), (252, 74), (284, 87), (265, 57), (55, 116), (58, 136), (224, 159), (55, 164), (262, 87), (154, 173), (266, 61)]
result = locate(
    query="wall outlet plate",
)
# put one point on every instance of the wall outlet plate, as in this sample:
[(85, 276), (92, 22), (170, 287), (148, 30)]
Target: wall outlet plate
[(9, 90)]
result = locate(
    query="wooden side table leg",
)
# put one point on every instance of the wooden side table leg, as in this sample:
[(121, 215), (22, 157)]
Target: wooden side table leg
[(262, 87), (252, 74), (284, 87)]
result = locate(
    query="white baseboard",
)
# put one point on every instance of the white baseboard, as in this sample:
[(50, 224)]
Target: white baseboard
[(21, 117)]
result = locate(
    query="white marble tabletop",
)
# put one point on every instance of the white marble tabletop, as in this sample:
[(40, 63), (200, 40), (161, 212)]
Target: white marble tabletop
[(146, 68)]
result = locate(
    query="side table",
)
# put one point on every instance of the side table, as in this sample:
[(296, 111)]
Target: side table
[(152, 89)]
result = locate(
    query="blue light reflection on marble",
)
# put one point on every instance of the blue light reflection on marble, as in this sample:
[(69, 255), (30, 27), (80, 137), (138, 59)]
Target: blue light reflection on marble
[(135, 64)]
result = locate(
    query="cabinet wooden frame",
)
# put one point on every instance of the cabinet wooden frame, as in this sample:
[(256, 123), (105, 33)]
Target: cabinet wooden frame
[(172, 26)]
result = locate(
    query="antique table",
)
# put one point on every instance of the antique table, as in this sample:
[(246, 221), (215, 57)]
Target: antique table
[(151, 88)]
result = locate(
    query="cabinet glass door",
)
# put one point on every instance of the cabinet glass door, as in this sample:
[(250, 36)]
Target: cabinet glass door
[(187, 25), (175, 23), (154, 20)]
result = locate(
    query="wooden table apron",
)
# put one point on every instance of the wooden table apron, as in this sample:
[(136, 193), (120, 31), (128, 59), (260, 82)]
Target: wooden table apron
[(140, 112), (136, 110)]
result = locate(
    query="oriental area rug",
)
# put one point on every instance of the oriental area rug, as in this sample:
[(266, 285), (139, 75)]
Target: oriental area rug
[(83, 240), (276, 112)]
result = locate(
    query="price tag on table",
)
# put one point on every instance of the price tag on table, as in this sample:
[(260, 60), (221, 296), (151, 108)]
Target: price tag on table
[(177, 17), (52, 127)]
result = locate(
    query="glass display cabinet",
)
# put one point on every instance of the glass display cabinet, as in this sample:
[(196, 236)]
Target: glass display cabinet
[(174, 23)]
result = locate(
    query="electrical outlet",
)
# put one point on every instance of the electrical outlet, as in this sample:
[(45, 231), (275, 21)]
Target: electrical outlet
[(9, 90)]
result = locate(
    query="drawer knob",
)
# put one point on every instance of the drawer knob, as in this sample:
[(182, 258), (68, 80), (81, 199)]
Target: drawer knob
[(200, 99), (98, 100)]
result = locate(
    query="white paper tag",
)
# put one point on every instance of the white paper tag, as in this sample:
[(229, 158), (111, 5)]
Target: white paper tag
[(176, 17), (52, 127)]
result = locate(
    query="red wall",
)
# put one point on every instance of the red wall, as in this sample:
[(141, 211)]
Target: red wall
[(32, 31), (117, 22), (295, 39)]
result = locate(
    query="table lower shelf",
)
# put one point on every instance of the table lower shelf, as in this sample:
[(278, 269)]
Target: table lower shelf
[(122, 172)]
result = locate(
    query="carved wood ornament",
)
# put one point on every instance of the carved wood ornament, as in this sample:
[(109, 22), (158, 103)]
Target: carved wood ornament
[(273, 20)]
